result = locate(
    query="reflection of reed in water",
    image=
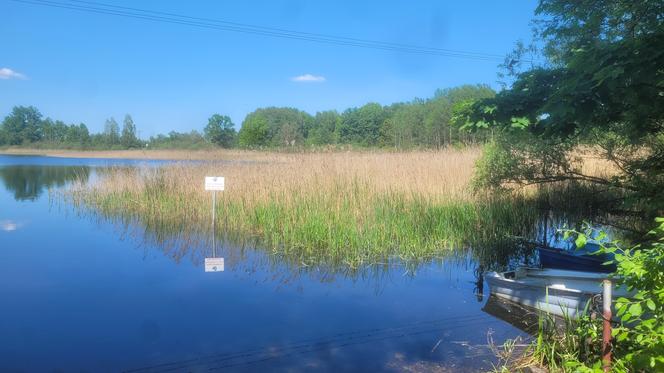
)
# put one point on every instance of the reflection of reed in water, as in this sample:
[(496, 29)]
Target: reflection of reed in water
[(29, 182), (194, 243), (247, 254)]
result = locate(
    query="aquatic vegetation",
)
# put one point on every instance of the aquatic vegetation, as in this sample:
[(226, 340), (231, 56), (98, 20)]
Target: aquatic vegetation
[(345, 209), (338, 208)]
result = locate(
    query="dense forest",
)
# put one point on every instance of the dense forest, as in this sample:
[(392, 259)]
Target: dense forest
[(420, 123)]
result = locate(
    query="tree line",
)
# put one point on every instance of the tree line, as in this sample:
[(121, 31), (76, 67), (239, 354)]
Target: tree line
[(420, 123)]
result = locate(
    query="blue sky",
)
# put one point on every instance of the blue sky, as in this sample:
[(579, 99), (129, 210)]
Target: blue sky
[(83, 67)]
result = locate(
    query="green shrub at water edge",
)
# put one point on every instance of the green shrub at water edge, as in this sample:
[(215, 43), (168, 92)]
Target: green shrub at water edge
[(638, 337)]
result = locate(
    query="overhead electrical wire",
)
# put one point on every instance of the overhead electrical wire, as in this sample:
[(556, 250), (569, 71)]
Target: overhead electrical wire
[(208, 23), (252, 356)]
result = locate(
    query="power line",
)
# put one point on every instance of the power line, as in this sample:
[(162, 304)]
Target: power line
[(307, 345), (273, 29), (157, 16)]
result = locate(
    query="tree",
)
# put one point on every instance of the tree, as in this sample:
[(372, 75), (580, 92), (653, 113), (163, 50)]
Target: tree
[(323, 131), (83, 134), (438, 119), (220, 130), (362, 125), (275, 126), (602, 87), (111, 132), (254, 131), (128, 138), (59, 131), (23, 125)]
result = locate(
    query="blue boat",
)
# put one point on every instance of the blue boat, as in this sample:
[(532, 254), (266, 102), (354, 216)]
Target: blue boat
[(576, 260)]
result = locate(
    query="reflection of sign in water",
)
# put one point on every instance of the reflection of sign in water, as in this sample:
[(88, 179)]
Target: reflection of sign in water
[(214, 183), (214, 264)]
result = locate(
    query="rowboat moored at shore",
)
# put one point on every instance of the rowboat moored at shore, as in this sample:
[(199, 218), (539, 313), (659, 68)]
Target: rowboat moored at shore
[(559, 292)]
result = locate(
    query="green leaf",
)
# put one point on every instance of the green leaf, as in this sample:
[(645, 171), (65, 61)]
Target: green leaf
[(520, 122), (580, 241), (650, 304), (635, 309), (621, 337)]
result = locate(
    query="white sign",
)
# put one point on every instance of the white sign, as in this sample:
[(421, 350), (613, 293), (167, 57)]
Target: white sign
[(214, 264), (214, 183)]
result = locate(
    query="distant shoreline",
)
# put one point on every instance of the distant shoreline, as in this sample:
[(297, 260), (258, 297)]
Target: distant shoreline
[(220, 154), (214, 154)]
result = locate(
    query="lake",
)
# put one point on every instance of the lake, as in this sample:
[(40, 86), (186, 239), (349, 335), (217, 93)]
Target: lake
[(84, 294)]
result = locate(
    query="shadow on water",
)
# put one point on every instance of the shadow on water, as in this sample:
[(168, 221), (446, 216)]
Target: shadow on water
[(512, 313), (28, 182)]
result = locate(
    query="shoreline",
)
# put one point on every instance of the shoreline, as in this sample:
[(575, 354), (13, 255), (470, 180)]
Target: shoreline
[(171, 154), (219, 154)]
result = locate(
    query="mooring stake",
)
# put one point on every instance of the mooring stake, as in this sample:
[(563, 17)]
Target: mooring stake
[(606, 335)]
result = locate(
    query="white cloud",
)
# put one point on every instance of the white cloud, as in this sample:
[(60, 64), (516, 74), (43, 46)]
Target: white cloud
[(9, 225), (7, 73), (308, 78)]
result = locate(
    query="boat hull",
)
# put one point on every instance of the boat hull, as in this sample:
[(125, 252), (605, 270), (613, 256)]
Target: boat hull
[(550, 299)]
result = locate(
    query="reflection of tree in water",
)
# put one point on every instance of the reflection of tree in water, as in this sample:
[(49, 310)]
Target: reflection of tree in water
[(29, 182)]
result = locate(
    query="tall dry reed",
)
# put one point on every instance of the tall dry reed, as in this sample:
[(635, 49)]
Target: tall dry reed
[(346, 208)]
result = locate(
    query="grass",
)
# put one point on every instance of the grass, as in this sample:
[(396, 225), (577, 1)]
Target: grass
[(562, 345), (341, 208)]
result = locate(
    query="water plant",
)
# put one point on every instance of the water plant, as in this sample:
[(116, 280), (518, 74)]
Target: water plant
[(338, 208)]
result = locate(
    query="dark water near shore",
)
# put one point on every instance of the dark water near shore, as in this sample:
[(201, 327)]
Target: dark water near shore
[(80, 294)]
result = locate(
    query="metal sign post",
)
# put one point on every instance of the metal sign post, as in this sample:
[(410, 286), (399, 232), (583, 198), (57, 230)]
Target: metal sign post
[(214, 225), (214, 184), (606, 335)]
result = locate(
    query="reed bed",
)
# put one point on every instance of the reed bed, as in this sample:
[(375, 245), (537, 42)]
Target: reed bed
[(340, 208)]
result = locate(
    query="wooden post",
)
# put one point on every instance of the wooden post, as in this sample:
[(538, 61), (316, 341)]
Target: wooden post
[(606, 335)]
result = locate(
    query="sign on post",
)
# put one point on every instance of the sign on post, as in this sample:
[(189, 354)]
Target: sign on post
[(214, 183), (214, 264)]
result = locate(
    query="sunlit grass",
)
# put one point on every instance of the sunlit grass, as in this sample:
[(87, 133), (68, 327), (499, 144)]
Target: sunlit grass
[(340, 208)]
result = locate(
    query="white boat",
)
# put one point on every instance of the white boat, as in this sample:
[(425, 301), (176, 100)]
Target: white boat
[(557, 291)]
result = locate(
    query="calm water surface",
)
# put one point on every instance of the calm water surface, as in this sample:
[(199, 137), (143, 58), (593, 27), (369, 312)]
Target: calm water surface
[(81, 294)]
